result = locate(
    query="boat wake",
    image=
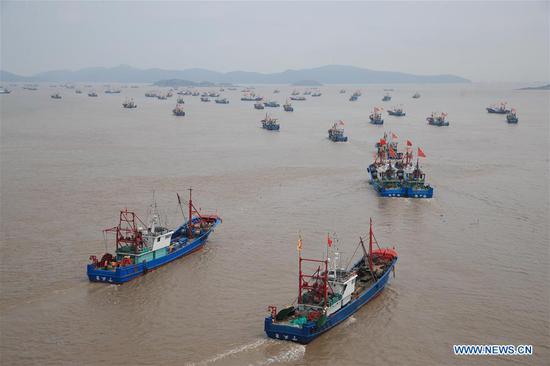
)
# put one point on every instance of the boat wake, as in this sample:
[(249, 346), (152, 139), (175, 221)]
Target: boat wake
[(295, 353), (291, 352)]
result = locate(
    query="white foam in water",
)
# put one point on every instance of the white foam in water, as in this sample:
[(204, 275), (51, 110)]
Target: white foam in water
[(295, 353), (243, 348)]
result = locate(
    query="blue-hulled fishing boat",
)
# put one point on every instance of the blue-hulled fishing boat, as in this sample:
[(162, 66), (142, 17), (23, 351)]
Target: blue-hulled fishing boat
[(270, 123), (498, 109), (288, 107), (222, 101), (331, 294), (386, 97), (376, 117), (336, 132), (178, 110), (259, 105), (272, 104), (396, 111), (512, 116), (438, 119), (141, 247)]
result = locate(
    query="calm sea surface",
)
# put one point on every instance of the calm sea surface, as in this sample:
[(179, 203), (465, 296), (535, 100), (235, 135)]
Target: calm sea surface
[(473, 265)]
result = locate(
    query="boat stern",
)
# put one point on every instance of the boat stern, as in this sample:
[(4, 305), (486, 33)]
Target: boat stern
[(303, 334)]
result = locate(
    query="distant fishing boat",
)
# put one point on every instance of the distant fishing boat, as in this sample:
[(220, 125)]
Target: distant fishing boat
[(249, 97), (316, 94), (376, 116), (205, 99), (396, 111), (56, 96), (178, 110), (258, 105), (78, 91), (386, 97), (416, 95), (180, 100), (92, 94), (342, 91), (4, 91), (336, 132), (112, 91), (498, 109), (276, 91), (298, 97), (222, 101), (162, 97), (438, 119), (195, 94), (512, 116), (140, 247), (353, 98), (288, 107), (151, 94), (213, 94), (170, 94), (270, 123), (272, 104), (331, 293), (129, 104), (295, 92)]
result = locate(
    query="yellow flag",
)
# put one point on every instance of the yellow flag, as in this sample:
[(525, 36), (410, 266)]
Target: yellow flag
[(300, 243)]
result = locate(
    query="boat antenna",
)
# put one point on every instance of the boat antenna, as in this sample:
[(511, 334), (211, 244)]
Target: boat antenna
[(181, 207), (190, 221)]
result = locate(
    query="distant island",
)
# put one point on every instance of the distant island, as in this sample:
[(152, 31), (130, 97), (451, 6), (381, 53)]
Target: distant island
[(307, 83), (542, 87), (174, 83), (330, 74)]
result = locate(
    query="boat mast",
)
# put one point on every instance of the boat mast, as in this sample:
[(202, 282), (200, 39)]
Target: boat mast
[(190, 221), (370, 247)]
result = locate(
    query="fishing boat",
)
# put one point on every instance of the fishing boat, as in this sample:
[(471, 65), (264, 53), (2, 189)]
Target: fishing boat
[(272, 104), (205, 99), (336, 132), (512, 116), (258, 105), (276, 91), (307, 92), (151, 94), (498, 109), (376, 116), (78, 91), (129, 103), (396, 111), (4, 91), (195, 94), (295, 92), (331, 294), (248, 98), (56, 96), (386, 97), (140, 247), (92, 94), (298, 97), (178, 110), (416, 95), (288, 107), (162, 97), (270, 123), (213, 94), (170, 94), (112, 91), (342, 91), (392, 173), (180, 100), (316, 94), (222, 101), (353, 98), (438, 119)]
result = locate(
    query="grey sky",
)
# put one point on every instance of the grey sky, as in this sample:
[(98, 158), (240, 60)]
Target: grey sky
[(483, 41)]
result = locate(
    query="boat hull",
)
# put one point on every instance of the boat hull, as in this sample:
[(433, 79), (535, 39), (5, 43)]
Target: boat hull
[(309, 331), (128, 273), (420, 192)]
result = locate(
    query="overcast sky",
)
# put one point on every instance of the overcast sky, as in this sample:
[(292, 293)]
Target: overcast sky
[(482, 41)]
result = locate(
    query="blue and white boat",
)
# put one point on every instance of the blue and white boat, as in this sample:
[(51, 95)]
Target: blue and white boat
[(512, 116), (438, 119), (269, 123), (331, 294), (376, 117), (141, 248), (336, 132), (498, 109)]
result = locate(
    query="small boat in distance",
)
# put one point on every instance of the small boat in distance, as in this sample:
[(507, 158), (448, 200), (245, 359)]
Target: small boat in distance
[(498, 109), (162, 97), (288, 107), (112, 91), (78, 91), (295, 92), (342, 91), (276, 91), (386, 97), (129, 104), (328, 294), (205, 98), (316, 94), (178, 110), (4, 91), (151, 94), (140, 247), (92, 94), (298, 97), (336, 132), (270, 123), (180, 100), (438, 119), (56, 96), (396, 111), (258, 105), (416, 95), (376, 116), (222, 101), (272, 104), (512, 116)]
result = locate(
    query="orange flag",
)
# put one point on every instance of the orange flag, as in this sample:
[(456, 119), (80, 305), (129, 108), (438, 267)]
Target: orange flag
[(421, 153), (392, 153)]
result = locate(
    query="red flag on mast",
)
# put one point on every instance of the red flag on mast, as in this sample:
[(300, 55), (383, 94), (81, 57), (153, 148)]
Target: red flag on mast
[(382, 142), (329, 241), (392, 152), (421, 153), (409, 143)]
